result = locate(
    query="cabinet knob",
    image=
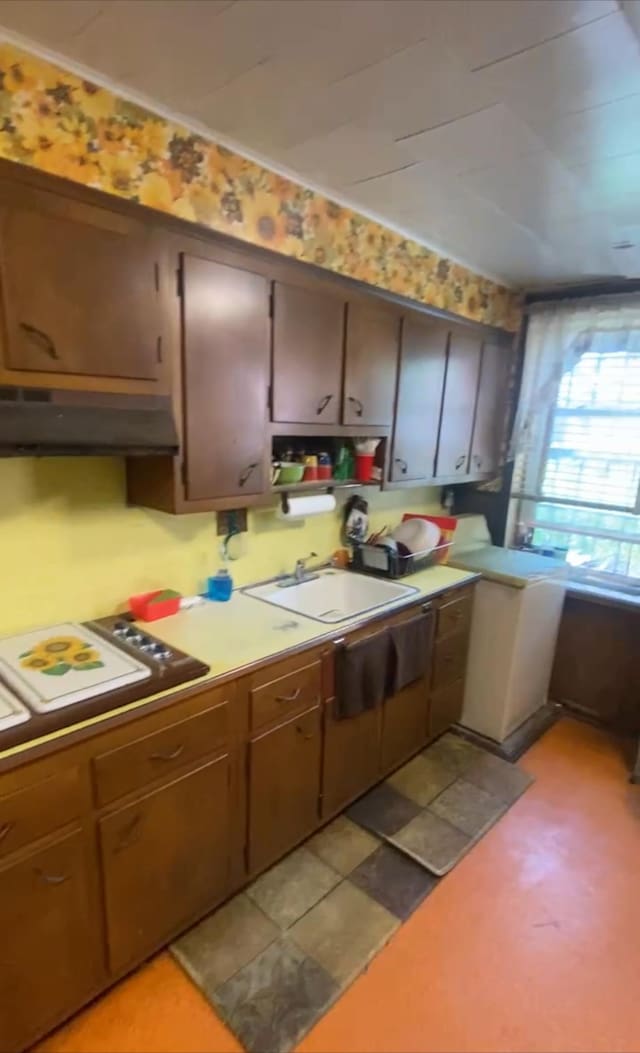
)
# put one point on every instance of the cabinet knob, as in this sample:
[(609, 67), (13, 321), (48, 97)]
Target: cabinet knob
[(461, 462), (359, 408), (44, 342), (323, 403), (404, 467), (242, 478)]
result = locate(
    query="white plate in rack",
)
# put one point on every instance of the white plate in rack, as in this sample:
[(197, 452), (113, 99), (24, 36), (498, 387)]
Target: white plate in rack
[(12, 711), (63, 664)]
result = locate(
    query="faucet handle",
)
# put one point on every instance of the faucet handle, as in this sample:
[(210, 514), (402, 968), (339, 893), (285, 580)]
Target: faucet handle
[(301, 562)]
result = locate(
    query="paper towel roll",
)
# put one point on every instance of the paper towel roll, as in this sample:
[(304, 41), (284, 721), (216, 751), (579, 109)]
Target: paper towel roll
[(307, 505)]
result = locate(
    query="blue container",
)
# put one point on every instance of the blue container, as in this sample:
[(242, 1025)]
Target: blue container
[(220, 586)]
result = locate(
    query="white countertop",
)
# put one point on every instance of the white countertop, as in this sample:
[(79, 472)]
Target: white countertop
[(243, 632)]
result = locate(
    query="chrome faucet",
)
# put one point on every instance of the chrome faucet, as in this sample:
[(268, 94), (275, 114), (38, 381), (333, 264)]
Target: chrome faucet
[(300, 573)]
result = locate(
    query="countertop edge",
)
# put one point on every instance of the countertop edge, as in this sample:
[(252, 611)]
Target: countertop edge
[(604, 597), (75, 733)]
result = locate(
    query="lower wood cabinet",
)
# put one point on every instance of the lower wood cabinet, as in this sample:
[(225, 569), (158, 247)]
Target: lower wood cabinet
[(50, 938), (284, 787), (405, 724), (351, 759), (165, 858), (445, 708)]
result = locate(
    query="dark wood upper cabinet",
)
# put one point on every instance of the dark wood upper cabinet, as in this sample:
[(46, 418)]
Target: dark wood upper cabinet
[(371, 363), (226, 378), (308, 337), (80, 289), (51, 938), (420, 385), (458, 404), (490, 409)]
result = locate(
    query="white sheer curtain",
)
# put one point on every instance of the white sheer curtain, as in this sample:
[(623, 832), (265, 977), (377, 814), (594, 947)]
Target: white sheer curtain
[(557, 337)]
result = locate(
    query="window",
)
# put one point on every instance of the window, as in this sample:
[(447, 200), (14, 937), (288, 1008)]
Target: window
[(588, 468)]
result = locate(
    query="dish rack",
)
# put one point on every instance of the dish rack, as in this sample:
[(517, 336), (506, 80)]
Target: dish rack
[(381, 562)]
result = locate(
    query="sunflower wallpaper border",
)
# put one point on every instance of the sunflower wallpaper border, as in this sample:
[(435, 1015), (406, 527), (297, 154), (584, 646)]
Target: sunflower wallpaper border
[(57, 122)]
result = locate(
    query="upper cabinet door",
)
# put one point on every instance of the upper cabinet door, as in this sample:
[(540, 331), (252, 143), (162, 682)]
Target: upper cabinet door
[(420, 385), (308, 336), (370, 365), (80, 289), (490, 409), (226, 378), (458, 407)]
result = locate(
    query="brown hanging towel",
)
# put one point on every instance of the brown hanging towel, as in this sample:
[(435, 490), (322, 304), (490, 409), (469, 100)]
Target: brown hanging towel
[(362, 672), (411, 644)]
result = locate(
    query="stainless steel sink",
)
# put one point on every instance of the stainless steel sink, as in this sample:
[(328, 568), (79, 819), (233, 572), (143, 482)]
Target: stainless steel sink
[(332, 596)]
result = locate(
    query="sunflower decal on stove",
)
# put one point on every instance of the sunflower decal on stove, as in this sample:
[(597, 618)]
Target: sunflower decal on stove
[(61, 654)]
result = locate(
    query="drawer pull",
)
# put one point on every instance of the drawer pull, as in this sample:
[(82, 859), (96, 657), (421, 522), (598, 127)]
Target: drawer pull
[(300, 731), (5, 830), (460, 462), (51, 879), (289, 698), (323, 403), (242, 478), (42, 339), (126, 836), (177, 752), (356, 403), (404, 467)]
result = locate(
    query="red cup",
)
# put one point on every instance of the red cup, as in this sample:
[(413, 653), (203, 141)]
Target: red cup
[(364, 467), (310, 473), (324, 471)]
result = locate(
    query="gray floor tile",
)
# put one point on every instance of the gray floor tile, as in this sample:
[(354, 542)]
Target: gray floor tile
[(383, 810), (275, 999), (454, 752), (422, 779), (498, 777), (344, 931), (468, 807), (394, 880), (223, 943), (343, 844), (432, 841), (290, 888)]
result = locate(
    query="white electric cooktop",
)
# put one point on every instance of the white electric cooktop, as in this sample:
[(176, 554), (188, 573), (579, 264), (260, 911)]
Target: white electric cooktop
[(62, 664)]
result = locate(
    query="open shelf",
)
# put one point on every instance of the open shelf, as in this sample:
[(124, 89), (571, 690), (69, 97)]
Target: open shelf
[(320, 484)]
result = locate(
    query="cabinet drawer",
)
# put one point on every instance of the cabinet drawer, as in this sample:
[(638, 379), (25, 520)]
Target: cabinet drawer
[(39, 809), (455, 615), (144, 760), (285, 695), (449, 660)]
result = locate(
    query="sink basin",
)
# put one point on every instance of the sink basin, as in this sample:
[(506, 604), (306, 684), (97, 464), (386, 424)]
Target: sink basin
[(333, 596)]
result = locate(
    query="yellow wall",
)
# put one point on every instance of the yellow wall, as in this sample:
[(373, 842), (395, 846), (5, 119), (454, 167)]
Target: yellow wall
[(70, 548)]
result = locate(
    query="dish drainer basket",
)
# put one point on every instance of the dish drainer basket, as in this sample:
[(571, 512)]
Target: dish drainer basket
[(383, 563)]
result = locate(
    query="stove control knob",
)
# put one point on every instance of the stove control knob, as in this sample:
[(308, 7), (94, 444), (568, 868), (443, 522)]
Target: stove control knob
[(132, 636), (161, 652), (121, 628), (146, 643)]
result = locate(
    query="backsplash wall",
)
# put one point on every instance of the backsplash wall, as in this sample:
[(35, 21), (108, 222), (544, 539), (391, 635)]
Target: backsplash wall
[(55, 121), (71, 548)]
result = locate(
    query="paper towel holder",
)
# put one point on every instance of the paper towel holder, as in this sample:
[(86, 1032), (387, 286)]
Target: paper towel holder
[(284, 497)]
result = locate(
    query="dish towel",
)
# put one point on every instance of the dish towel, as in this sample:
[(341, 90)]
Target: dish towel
[(411, 644), (362, 672)]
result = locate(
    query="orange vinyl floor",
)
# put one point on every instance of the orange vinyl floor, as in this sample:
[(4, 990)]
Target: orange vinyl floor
[(531, 943)]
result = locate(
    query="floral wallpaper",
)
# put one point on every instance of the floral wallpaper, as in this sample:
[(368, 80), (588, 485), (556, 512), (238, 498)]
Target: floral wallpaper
[(57, 122)]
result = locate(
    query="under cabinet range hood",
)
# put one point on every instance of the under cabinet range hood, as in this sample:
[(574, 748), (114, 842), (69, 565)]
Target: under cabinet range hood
[(49, 422)]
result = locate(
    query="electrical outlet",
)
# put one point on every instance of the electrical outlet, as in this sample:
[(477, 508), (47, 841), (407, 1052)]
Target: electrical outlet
[(232, 522)]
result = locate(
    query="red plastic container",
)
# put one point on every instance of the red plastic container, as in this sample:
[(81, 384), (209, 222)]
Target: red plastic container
[(364, 466), (144, 610)]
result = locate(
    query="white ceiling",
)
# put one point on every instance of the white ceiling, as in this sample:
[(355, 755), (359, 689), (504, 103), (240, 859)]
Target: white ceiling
[(505, 133)]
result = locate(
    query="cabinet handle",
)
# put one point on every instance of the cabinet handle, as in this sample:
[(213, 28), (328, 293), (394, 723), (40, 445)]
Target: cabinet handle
[(460, 462), (358, 405), (404, 467), (168, 756), (125, 837), (323, 403), (426, 608), (51, 879), (300, 731), (5, 830), (246, 473), (46, 343), (478, 460), (289, 698)]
